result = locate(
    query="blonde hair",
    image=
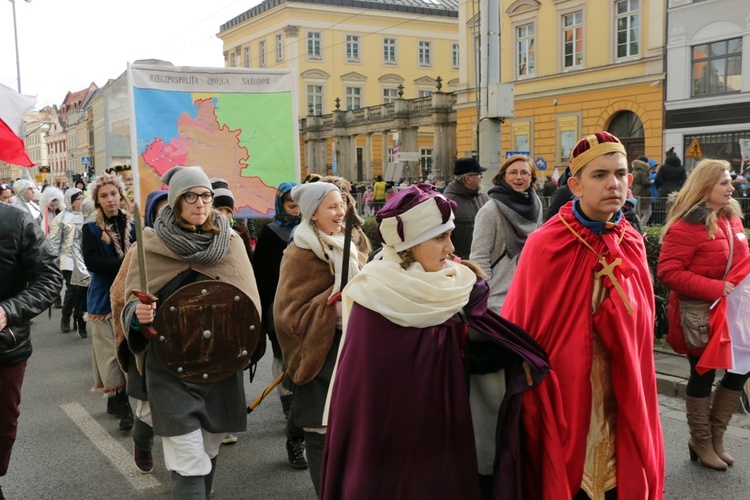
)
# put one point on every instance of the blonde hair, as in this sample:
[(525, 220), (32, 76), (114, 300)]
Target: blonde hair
[(696, 191)]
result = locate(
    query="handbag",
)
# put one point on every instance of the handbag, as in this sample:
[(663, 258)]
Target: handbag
[(695, 315)]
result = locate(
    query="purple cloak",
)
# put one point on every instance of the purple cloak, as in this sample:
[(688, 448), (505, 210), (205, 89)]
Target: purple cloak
[(400, 422)]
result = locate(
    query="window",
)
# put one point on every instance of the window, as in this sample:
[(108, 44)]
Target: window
[(572, 40), (567, 135), (262, 52), (279, 48), (526, 51), (389, 51), (353, 97), (717, 67), (626, 13), (232, 60), (352, 48), (424, 93), (313, 45), (425, 53), (454, 56), (389, 95), (315, 99), (425, 162), (247, 57)]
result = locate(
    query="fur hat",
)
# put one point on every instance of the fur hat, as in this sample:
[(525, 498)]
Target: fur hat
[(465, 165), (51, 194), (103, 180), (413, 216), (308, 196), (593, 146), (71, 195), (181, 179), (223, 196), (640, 164)]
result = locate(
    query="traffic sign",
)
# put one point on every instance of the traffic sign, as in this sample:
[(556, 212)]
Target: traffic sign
[(508, 154), (540, 163), (85, 161), (694, 151), (407, 156)]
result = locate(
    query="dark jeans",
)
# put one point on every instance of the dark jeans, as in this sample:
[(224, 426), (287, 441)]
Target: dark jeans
[(11, 378), (700, 386), (71, 297)]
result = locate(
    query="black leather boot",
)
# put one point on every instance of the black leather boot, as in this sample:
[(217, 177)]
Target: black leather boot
[(126, 412), (82, 328), (209, 479), (114, 406), (65, 324), (295, 449), (188, 487)]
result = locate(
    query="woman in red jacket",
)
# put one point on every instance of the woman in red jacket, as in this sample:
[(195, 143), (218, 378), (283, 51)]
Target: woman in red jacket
[(693, 264)]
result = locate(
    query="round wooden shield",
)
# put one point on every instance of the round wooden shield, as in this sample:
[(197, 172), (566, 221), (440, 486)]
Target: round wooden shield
[(206, 331)]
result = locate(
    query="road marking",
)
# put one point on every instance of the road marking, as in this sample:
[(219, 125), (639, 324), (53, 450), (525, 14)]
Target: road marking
[(110, 448)]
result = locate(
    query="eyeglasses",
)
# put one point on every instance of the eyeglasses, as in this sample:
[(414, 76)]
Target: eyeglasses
[(4, 186), (515, 173), (190, 197), (476, 174)]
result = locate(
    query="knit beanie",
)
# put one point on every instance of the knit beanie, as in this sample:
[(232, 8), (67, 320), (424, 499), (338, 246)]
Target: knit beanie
[(223, 197), (71, 195), (673, 161), (593, 146), (181, 179), (413, 216), (308, 196)]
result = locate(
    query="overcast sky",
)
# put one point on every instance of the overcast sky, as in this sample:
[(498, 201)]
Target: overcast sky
[(65, 45)]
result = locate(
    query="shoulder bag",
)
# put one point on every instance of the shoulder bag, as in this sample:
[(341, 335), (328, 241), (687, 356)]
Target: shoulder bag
[(695, 315)]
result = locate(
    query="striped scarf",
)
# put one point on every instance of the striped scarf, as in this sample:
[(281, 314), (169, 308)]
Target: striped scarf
[(200, 247)]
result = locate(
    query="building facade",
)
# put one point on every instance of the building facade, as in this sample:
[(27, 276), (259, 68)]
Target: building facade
[(707, 108), (350, 55), (576, 67)]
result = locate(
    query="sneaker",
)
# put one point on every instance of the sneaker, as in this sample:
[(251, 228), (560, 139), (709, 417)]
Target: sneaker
[(229, 438), (144, 460), (295, 448)]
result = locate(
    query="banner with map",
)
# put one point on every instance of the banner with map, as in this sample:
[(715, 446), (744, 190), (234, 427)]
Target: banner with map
[(239, 124)]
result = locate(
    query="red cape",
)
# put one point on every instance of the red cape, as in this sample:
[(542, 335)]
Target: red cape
[(551, 297)]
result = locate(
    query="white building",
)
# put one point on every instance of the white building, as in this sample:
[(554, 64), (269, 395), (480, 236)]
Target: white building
[(707, 108)]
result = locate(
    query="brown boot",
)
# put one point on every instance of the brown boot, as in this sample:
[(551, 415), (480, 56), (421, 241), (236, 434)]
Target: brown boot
[(724, 404), (700, 433)]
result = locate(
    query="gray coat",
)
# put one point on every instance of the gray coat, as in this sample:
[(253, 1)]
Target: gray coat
[(499, 235)]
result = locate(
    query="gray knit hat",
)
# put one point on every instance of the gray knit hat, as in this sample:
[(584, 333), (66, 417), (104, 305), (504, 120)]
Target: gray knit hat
[(181, 179), (308, 196)]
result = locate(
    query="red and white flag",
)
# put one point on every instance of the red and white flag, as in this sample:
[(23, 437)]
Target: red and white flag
[(12, 108)]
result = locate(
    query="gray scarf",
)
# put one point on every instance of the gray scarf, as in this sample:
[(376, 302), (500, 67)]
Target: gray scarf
[(200, 247)]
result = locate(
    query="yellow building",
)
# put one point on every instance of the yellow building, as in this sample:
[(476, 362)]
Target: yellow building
[(576, 67), (350, 55)]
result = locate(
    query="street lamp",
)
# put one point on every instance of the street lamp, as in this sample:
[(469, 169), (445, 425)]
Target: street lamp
[(15, 36)]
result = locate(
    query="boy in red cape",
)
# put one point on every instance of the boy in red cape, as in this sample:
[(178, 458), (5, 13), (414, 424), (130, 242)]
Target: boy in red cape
[(583, 291)]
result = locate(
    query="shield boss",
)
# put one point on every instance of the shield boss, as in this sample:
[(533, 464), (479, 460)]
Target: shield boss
[(206, 331)]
